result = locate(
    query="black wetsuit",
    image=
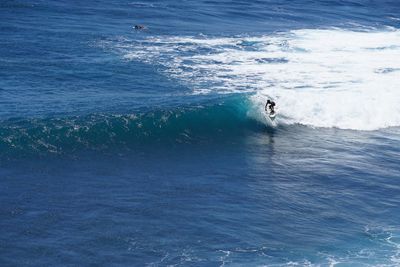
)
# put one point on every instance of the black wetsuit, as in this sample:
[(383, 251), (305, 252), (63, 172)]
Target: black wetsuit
[(271, 106)]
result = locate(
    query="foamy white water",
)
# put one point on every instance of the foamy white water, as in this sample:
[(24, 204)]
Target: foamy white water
[(322, 78)]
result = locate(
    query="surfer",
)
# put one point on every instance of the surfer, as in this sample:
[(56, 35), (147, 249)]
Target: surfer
[(270, 107), (140, 27)]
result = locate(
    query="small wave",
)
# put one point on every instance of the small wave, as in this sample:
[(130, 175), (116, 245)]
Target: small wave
[(389, 241)]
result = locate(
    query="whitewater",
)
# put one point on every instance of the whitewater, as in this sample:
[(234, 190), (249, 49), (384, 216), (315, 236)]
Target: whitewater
[(347, 79)]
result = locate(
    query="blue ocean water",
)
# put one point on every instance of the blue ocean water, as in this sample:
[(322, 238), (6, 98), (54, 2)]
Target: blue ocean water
[(150, 147)]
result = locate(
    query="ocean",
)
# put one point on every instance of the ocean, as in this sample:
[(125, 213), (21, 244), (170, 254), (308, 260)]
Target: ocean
[(151, 146)]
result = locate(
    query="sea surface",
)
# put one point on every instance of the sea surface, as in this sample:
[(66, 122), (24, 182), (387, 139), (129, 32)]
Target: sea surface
[(151, 147)]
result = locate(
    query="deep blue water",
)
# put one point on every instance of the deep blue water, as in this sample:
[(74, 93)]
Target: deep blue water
[(129, 147)]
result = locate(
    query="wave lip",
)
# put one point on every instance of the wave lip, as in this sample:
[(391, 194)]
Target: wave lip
[(339, 78)]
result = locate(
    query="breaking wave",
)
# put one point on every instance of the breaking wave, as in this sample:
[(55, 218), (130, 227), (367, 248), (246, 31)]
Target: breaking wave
[(193, 123), (340, 78)]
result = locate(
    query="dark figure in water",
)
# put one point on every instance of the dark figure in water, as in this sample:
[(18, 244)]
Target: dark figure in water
[(271, 106), (139, 27)]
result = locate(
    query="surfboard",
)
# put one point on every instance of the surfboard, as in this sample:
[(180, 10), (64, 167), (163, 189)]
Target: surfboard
[(272, 116)]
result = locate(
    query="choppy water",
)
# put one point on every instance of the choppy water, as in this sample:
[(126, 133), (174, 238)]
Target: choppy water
[(151, 148)]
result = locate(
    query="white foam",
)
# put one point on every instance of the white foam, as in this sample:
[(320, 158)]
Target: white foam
[(323, 78)]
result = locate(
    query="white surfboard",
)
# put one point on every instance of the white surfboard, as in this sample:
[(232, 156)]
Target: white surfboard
[(272, 116)]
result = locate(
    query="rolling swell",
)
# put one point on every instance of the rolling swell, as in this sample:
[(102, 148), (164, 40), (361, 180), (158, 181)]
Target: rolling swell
[(184, 124)]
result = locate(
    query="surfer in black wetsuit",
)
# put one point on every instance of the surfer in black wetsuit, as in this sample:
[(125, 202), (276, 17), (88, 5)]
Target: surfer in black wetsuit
[(140, 27), (271, 106)]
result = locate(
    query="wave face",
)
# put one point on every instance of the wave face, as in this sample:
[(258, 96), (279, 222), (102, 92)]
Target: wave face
[(319, 77), (195, 123)]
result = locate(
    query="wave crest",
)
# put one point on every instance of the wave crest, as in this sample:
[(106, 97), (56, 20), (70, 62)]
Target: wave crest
[(320, 77), (195, 123)]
